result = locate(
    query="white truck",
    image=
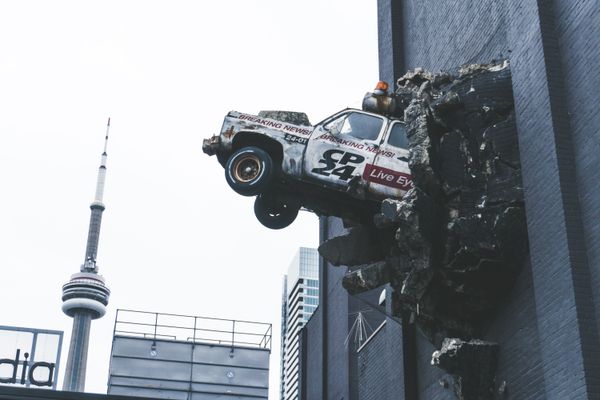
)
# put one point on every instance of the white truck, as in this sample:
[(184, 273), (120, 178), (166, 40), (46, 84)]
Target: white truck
[(343, 166)]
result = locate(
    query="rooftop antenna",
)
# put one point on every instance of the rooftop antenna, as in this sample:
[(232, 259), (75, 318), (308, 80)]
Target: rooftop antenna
[(359, 330), (96, 217)]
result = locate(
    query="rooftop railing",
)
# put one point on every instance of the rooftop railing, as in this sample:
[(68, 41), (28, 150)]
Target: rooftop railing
[(177, 327)]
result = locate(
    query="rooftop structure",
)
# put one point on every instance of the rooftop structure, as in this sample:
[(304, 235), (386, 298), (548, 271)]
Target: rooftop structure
[(172, 356)]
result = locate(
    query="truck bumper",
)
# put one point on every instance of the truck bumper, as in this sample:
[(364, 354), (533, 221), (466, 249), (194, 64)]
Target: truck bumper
[(211, 145)]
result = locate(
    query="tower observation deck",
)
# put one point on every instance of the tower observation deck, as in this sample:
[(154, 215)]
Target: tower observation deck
[(85, 296)]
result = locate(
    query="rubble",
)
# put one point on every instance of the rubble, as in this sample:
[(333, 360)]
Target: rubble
[(293, 117), (472, 365), (361, 245), (459, 236)]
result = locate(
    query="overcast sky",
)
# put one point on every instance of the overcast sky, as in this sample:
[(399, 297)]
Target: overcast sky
[(175, 238)]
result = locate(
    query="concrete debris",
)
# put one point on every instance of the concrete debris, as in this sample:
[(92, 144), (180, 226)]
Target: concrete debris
[(361, 245), (459, 236), (292, 117), (472, 365), (367, 277)]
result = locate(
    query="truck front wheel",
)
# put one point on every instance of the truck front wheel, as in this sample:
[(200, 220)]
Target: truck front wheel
[(275, 212), (249, 170)]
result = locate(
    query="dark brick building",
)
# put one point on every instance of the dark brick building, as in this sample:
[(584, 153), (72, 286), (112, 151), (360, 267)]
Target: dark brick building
[(548, 327), (328, 359)]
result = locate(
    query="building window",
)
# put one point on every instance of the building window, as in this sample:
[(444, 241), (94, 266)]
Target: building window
[(312, 283)]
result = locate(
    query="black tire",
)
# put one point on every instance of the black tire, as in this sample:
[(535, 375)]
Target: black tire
[(249, 171), (274, 212)]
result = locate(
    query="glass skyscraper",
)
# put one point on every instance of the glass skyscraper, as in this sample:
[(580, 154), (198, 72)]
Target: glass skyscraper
[(300, 299)]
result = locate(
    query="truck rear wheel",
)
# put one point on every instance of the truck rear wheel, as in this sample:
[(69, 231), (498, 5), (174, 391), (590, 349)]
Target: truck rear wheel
[(249, 170), (275, 212)]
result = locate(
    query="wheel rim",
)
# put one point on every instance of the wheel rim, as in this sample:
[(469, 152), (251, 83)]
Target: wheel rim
[(247, 168)]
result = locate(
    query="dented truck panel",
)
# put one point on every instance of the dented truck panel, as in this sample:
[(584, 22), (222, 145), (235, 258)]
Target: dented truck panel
[(341, 148), (389, 175), (352, 152), (293, 138), (365, 164)]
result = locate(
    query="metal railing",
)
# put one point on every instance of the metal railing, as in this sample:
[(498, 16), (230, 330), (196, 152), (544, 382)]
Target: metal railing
[(195, 329)]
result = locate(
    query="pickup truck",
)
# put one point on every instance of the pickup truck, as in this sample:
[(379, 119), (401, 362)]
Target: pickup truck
[(343, 166)]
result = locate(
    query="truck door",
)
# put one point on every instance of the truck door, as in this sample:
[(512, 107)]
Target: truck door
[(341, 147), (389, 175)]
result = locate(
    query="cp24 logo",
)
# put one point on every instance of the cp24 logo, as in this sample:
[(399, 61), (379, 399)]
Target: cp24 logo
[(338, 163)]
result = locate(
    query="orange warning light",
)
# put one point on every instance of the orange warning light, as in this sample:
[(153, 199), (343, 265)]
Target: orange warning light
[(381, 85)]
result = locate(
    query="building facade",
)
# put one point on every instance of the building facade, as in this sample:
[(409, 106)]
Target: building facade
[(329, 355), (550, 320), (300, 300)]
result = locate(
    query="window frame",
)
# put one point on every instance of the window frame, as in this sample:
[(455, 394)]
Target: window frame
[(386, 140)]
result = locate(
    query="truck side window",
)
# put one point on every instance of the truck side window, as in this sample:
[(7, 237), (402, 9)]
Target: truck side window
[(335, 125), (362, 126), (397, 137)]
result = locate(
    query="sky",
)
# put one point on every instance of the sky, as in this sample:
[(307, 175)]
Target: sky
[(175, 238)]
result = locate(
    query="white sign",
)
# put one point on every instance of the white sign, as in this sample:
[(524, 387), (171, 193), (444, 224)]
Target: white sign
[(29, 356)]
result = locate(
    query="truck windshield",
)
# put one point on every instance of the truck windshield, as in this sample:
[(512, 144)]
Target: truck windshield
[(361, 126)]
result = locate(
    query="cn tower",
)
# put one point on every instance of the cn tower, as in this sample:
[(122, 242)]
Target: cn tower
[(85, 296)]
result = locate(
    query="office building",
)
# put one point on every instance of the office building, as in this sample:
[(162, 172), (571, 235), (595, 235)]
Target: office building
[(548, 323), (300, 300), (329, 366)]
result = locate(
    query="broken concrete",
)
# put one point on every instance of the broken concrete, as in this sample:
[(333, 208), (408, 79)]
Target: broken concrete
[(472, 365), (459, 236), (362, 244), (292, 117)]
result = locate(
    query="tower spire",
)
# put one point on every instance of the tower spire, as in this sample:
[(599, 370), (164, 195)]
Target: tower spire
[(97, 207), (85, 296), (102, 169)]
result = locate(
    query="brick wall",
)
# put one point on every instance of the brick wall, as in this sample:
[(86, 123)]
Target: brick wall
[(311, 353), (578, 30), (515, 328), (548, 326), (380, 374), (332, 361)]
